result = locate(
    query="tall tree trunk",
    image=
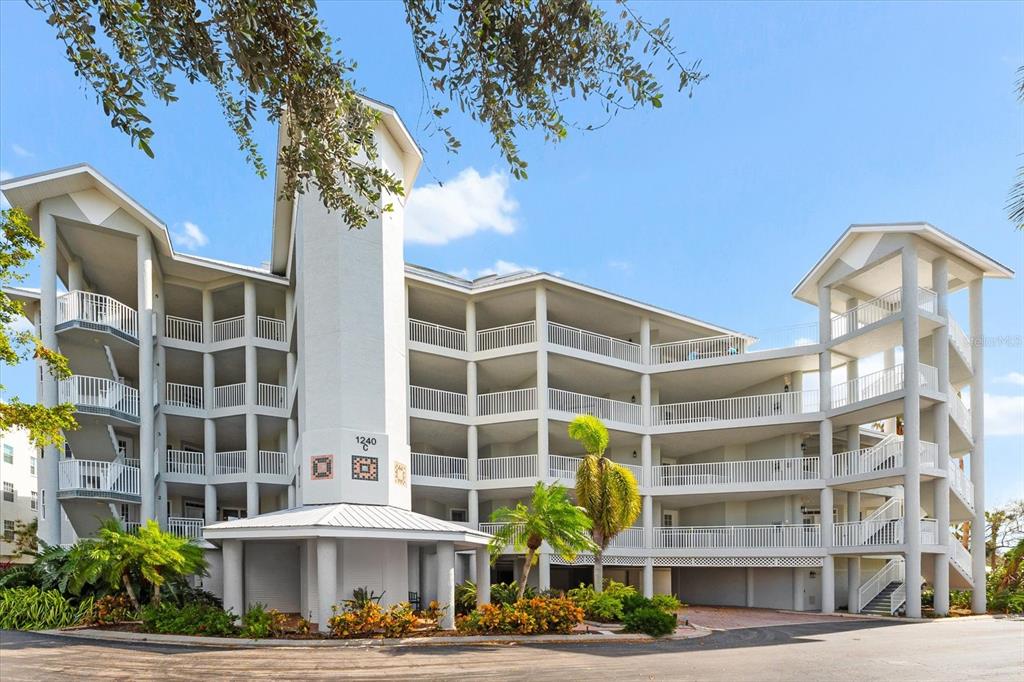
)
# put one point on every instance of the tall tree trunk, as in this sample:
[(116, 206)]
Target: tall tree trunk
[(526, 572), (130, 590), (599, 570)]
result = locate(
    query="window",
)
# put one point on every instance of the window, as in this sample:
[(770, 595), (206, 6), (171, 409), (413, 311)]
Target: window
[(8, 531), (42, 508), (33, 503), (8, 454), (458, 515), (32, 465), (8, 491)]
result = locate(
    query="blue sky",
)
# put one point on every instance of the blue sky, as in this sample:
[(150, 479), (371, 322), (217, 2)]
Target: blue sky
[(815, 116)]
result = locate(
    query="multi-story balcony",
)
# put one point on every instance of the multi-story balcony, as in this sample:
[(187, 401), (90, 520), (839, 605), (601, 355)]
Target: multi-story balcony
[(97, 395), (619, 412), (770, 405), (98, 479), (96, 312), (593, 343), (437, 335), (880, 383), (754, 537), (960, 413), (506, 402), (783, 472), (880, 460), (506, 336), (564, 468), (192, 399), (229, 329), (878, 310), (188, 466), (185, 527), (879, 532)]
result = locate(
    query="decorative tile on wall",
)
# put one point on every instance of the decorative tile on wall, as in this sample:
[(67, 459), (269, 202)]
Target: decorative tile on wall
[(364, 468), (321, 467)]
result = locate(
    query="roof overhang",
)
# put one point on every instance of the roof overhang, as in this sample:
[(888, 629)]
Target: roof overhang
[(284, 206), (807, 289)]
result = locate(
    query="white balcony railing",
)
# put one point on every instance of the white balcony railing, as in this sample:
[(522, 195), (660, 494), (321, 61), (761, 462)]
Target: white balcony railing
[(744, 471), (742, 407), (436, 400), (629, 538), (602, 408), (960, 483), (184, 396), (515, 466), (183, 329), (793, 336), (591, 342), (507, 402), (490, 527), (507, 336), (738, 537), (961, 342), (270, 328), (563, 468), (272, 395), (97, 393), (231, 395), (231, 328), (97, 309), (99, 476), (960, 556), (698, 349), (186, 462), (230, 462), (959, 411), (437, 335), (867, 532), (884, 456), (185, 527), (272, 462), (929, 532), (439, 466), (878, 309)]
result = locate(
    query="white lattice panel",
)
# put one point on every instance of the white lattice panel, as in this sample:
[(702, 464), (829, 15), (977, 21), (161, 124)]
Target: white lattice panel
[(588, 560), (756, 562)]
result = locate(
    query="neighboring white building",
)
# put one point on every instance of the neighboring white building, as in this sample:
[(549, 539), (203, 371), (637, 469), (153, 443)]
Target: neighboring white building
[(19, 502), (342, 419)]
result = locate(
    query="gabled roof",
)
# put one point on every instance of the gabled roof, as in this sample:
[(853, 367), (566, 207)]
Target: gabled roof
[(345, 520), (806, 290)]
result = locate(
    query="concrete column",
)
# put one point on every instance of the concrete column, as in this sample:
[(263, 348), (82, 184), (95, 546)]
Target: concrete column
[(472, 452), (978, 437), (292, 435), (853, 563), (252, 488), (446, 583), (210, 503), (327, 579), (828, 574), (147, 432), (940, 413), (911, 430), (209, 380), (470, 326), (543, 448), (49, 468), (483, 576), (473, 508), (648, 578), (234, 588), (207, 316), (645, 399), (750, 587), (471, 388), (798, 589), (76, 280), (889, 360), (647, 518), (645, 340), (544, 571)]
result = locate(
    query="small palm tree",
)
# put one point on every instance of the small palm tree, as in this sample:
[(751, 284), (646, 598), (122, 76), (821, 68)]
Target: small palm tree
[(552, 518), (608, 491), (153, 554)]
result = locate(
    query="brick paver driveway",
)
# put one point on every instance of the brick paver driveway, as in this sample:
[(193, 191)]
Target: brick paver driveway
[(955, 649), (733, 618)]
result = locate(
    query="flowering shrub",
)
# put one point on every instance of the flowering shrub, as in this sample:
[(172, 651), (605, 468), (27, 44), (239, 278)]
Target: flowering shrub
[(262, 623), (535, 616), (113, 608), (372, 620)]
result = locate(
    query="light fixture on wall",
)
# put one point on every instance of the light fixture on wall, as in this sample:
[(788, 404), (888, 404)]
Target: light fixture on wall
[(634, 454), (803, 446)]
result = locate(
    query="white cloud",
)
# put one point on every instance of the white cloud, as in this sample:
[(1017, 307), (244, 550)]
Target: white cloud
[(500, 268), (190, 237), (620, 265), (1014, 378), (21, 151), (471, 203), (1004, 415)]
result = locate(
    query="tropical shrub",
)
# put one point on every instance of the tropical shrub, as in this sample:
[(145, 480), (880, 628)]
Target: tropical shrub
[(650, 620), (361, 596), (606, 606), (113, 608), (539, 615), (259, 622), (666, 602), (371, 620), (433, 612), (192, 619), (632, 602), (30, 608), (465, 597), (507, 593)]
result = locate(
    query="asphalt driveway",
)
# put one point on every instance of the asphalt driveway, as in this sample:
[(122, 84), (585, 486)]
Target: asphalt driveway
[(953, 649)]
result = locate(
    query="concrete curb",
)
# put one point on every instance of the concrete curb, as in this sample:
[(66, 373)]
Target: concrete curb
[(238, 643)]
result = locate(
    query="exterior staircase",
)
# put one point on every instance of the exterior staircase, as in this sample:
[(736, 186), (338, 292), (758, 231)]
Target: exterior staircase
[(882, 603)]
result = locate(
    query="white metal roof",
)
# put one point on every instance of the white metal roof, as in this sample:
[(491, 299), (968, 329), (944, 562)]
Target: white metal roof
[(345, 520)]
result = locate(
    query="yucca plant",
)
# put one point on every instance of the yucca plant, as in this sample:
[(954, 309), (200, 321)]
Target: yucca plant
[(550, 517), (608, 491)]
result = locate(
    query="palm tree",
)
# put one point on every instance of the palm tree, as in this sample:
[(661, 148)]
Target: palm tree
[(608, 491), (552, 518)]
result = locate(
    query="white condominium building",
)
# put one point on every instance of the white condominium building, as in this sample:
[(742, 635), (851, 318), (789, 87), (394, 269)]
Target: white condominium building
[(342, 419), (19, 504)]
